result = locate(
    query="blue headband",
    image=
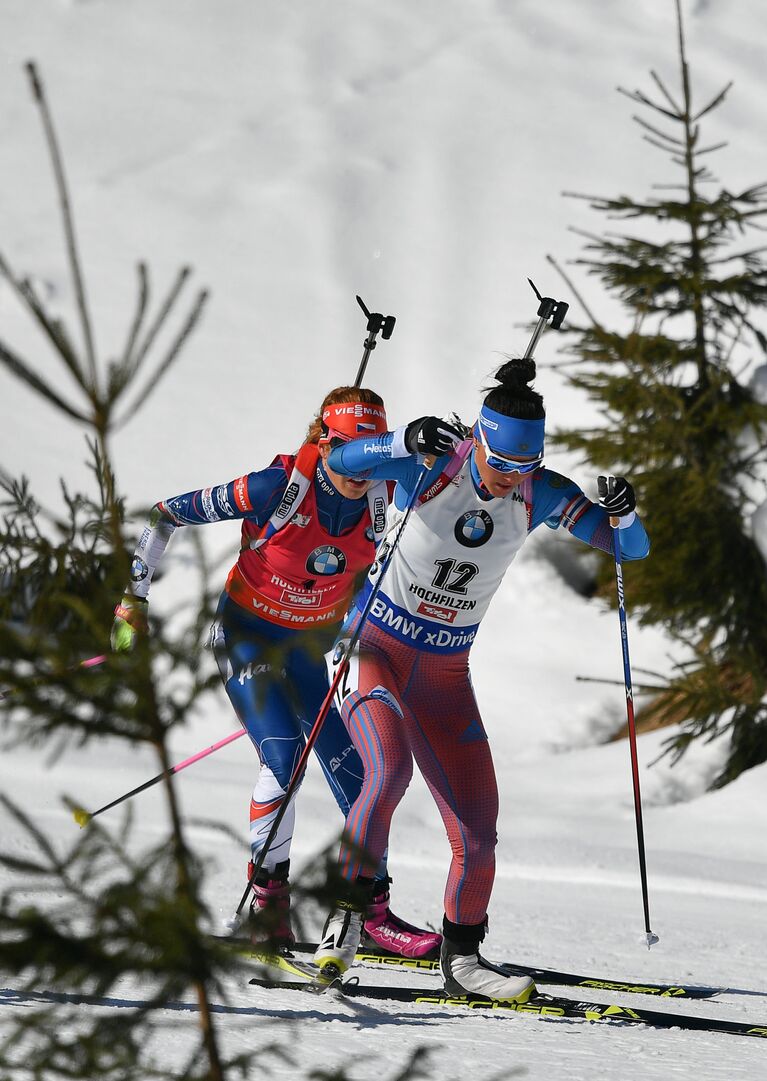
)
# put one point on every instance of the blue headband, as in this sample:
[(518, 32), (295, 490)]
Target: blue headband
[(510, 435)]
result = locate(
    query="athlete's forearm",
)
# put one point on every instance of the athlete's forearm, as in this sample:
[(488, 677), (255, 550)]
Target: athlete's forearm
[(149, 551), (254, 495), (381, 457), (594, 528), (559, 501)]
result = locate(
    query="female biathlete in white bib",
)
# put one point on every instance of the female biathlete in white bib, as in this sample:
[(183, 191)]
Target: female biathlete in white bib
[(408, 692), (307, 533)]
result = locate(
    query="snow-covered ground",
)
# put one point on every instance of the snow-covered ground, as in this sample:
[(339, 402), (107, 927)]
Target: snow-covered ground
[(415, 153)]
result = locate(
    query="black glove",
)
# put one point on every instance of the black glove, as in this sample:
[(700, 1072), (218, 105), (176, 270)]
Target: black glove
[(432, 436), (616, 496)]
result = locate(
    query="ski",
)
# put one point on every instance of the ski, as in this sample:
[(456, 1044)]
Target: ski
[(306, 973), (374, 955), (546, 1006)]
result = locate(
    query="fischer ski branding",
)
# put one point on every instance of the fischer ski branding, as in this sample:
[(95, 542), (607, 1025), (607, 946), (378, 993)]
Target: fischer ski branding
[(546, 1006), (373, 955)]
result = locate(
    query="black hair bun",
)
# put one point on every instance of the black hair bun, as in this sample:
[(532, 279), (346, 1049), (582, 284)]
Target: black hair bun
[(516, 373)]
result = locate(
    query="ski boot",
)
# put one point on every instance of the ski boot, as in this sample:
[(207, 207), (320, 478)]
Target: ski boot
[(269, 918), (339, 940), (466, 972), (388, 932)]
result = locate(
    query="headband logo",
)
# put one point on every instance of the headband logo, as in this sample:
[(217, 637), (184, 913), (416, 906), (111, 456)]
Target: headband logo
[(358, 409)]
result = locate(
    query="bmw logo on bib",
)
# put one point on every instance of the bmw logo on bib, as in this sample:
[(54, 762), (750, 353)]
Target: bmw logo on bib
[(326, 560), (474, 528), (138, 570)]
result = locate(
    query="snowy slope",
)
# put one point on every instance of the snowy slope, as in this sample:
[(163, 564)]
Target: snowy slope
[(413, 152)]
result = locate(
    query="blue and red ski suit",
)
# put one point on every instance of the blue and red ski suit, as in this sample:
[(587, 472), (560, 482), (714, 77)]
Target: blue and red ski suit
[(278, 615)]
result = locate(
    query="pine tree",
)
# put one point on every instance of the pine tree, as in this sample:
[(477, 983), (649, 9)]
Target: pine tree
[(683, 424), (109, 921)]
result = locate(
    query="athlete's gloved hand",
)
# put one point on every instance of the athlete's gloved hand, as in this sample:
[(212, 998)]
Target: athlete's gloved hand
[(130, 620), (616, 496), (431, 436)]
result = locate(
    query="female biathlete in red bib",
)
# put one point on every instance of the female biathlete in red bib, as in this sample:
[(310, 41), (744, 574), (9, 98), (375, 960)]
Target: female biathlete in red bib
[(307, 532), (408, 692)]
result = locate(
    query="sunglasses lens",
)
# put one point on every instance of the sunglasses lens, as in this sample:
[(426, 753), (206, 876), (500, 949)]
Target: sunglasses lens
[(500, 465), (503, 465)]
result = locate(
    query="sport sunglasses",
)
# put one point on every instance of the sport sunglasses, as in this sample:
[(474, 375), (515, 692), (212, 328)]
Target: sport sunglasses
[(506, 465)]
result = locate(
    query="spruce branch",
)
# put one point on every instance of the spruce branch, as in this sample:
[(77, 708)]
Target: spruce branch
[(138, 318), (712, 148), (38, 93), (54, 329), (666, 93), (20, 369), (715, 102), (662, 135), (655, 142), (170, 356), (642, 99), (137, 358)]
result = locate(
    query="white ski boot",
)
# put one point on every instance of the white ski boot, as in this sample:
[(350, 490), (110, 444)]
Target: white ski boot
[(339, 941), (466, 972)]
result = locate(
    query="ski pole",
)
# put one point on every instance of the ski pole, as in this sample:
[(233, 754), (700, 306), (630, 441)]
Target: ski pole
[(91, 662), (605, 486), (83, 817), (555, 310), (377, 324), (234, 922)]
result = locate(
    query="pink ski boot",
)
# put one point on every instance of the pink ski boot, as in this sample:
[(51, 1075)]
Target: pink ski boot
[(389, 933), (269, 919)]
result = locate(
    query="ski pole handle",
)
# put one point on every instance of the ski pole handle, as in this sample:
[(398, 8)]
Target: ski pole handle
[(548, 309), (377, 324)]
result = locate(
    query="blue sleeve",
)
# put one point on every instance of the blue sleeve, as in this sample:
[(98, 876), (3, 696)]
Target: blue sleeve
[(558, 501), (372, 458), (253, 496)]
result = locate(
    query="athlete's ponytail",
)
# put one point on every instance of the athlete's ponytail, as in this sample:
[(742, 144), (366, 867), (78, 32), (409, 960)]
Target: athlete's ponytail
[(339, 395), (513, 396)]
